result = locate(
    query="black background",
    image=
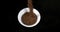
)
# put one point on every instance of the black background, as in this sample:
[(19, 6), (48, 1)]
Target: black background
[(49, 10)]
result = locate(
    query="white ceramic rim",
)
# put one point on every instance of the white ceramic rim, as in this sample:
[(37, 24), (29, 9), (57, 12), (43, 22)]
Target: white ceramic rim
[(27, 10)]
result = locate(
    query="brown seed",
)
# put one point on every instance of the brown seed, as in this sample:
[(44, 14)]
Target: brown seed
[(29, 18)]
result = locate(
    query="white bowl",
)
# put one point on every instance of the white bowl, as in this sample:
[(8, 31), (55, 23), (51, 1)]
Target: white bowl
[(27, 10)]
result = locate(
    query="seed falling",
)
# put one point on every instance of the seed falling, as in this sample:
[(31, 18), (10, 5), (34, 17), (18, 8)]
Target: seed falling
[(29, 18)]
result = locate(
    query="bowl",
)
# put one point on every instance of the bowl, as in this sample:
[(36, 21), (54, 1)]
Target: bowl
[(23, 11)]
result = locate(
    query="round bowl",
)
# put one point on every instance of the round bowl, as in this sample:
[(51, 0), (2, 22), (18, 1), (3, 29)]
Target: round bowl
[(23, 11)]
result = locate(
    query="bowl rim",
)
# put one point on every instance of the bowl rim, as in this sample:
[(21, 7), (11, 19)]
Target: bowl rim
[(21, 12)]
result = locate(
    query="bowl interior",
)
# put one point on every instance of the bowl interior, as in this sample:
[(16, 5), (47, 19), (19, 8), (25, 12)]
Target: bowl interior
[(23, 11)]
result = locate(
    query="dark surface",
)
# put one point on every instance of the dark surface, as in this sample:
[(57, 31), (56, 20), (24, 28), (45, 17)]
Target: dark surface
[(49, 10)]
